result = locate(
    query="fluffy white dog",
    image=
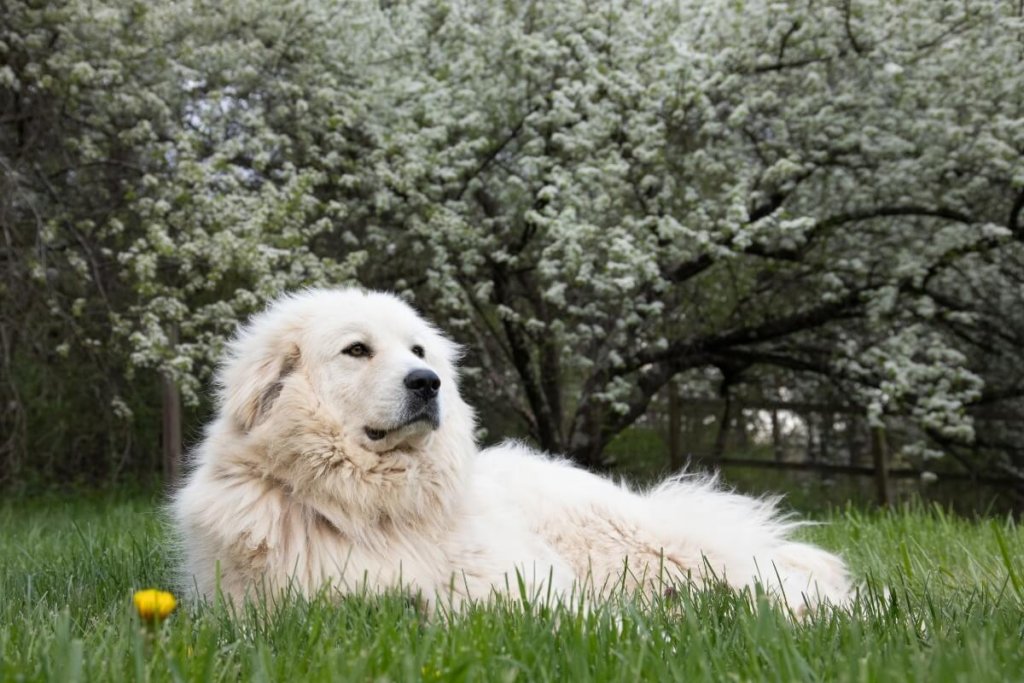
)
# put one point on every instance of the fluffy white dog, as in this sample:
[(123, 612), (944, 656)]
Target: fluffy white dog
[(342, 455)]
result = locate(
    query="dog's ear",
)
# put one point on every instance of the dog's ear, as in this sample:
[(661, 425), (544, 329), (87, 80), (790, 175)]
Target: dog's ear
[(249, 389)]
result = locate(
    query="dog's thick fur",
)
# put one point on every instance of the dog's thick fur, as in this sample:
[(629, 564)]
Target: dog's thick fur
[(294, 486)]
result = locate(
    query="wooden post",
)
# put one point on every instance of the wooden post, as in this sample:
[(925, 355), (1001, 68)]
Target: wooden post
[(854, 442), (776, 436), (825, 427), (723, 427), (812, 453), (880, 453), (171, 412), (741, 427)]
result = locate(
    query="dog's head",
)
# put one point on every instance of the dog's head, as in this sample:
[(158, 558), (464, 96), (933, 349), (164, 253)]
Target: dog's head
[(342, 380)]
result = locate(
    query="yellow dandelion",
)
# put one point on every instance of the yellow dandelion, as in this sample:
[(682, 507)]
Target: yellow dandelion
[(154, 604)]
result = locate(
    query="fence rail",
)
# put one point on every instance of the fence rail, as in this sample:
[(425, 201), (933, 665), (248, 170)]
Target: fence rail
[(827, 437), (860, 470)]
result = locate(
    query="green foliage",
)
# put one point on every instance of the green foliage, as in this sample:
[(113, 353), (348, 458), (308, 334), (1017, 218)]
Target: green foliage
[(68, 568), (69, 441)]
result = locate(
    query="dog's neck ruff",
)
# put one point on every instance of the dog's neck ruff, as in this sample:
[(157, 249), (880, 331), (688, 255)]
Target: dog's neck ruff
[(320, 466)]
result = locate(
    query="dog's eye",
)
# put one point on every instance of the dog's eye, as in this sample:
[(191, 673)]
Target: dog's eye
[(357, 350), (418, 350)]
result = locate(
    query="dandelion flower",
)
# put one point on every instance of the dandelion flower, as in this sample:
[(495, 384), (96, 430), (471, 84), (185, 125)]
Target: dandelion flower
[(154, 604)]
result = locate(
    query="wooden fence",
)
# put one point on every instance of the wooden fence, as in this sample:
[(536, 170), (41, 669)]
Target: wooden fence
[(831, 438)]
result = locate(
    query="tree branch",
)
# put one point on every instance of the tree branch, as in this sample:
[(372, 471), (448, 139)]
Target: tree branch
[(490, 157), (1014, 222), (848, 27), (794, 64), (785, 40), (898, 210), (770, 329)]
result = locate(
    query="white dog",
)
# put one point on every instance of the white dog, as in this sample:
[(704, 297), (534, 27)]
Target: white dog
[(343, 456)]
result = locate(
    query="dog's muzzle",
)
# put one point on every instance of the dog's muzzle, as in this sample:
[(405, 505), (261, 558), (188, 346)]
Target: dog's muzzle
[(421, 404), (422, 407)]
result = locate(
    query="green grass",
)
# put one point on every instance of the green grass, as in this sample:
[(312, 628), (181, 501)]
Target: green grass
[(954, 611)]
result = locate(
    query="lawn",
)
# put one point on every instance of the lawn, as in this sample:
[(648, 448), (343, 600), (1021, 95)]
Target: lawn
[(954, 611)]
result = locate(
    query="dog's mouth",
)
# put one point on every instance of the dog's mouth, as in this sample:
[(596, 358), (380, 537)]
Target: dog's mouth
[(429, 418)]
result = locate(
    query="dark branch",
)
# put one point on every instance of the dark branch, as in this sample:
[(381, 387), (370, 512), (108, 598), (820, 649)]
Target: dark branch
[(785, 41), (1014, 223), (490, 157), (889, 211), (794, 64), (848, 27)]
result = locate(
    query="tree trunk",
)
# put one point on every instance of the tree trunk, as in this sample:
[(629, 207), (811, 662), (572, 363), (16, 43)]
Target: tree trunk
[(586, 445), (171, 410), (588, 452)]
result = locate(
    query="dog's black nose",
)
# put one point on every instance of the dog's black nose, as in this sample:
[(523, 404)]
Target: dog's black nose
[(423, 383)]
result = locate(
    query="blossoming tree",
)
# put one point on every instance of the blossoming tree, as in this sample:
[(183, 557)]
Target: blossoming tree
[(594, 197)]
